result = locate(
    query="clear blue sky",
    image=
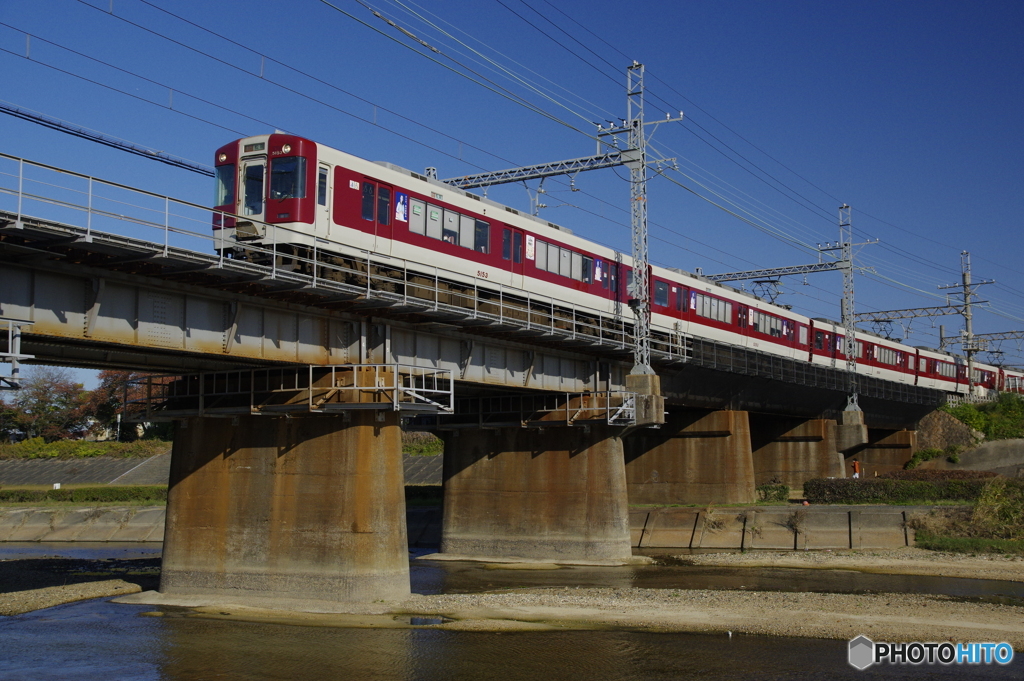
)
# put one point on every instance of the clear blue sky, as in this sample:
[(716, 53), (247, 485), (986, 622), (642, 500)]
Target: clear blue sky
[(907, 111)]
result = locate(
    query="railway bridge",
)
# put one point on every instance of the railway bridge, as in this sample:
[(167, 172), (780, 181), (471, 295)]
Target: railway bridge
[(291, 387)]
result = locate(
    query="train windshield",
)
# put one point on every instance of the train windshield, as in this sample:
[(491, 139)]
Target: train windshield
[(288, 178), (225, 185)]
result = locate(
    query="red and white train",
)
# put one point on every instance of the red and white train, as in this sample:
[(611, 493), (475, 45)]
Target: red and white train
[(294, 194)]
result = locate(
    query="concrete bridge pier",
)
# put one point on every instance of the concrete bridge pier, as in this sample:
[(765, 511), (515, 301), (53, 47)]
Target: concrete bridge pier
[(309, 508), (885, 451), (698, 457), (794, 450), (550, 493)]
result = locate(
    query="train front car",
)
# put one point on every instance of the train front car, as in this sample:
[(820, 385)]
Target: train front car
[(266, 198)]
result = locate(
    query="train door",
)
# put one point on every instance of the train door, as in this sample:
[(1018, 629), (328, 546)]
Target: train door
[(512, 254), (322, 220), (254, 172), (377, 202)]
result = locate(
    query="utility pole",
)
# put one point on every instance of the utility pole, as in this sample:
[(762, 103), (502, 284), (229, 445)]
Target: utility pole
[(640, 295), (845, 265), (633, 156), (967, 291)]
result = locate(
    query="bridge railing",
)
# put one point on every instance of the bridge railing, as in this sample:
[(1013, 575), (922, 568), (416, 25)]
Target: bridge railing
[(291, 390)]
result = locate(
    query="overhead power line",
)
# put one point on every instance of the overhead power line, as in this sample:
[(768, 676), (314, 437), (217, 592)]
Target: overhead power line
[(93, 136)]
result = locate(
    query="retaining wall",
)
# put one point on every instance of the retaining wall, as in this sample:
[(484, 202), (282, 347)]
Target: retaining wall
[(820, 527)]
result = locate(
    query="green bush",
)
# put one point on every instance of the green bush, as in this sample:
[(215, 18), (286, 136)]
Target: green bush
[(938, 474), (37, 448), (998, 420), (922, 455), (891, 491), (773, 490), (86, 494)]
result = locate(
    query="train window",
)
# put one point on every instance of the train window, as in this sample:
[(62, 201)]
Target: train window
[(467, 231), (321, 186), (417, 217), (450, 231), (541, 256), (588, 268), (483, 237), (517, 247), (506, 244), (787, 329), (369, 196), (819, 340), (288, 178), (803, 335), (254, 189), (923, 365), (577, 267), (887, 356), (660, 293), (713, 308), (225, 186), (384, 205), (860, 350), (765, 323), (629, 282), (946, 369), (433, 222), (840, 343), (741, 317), (601, 273), (680, 296), (565, 262)]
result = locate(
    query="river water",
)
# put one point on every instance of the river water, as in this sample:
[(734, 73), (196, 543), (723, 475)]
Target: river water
[(107, 641)]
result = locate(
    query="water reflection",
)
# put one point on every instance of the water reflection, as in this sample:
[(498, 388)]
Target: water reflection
[(104, 641), (433, 577)]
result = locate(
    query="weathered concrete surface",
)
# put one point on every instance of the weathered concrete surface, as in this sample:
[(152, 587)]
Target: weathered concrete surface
[(851, 432), (1005, 457), (885, 452), (697, 457), (809, 527), (793, 450), (556, 493), (303, 508)]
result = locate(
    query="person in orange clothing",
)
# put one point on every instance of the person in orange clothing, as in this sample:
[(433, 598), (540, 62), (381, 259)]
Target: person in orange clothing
[(856, 468)]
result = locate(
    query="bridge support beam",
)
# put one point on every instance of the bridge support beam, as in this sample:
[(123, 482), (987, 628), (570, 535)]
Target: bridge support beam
[(697, 457), (557, 493), (794, 450), (304, 509)]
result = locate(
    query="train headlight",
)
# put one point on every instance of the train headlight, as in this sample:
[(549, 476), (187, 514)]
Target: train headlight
[(222, 158), (286, 148)]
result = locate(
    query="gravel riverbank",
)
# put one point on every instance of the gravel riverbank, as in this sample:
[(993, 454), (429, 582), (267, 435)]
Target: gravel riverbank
[(902, 561), (893, 617)]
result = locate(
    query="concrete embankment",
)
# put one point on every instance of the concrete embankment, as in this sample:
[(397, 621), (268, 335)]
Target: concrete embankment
[(766, 527), (774, 527)]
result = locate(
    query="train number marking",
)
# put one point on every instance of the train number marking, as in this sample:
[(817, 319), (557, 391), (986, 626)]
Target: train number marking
[(481, 274)]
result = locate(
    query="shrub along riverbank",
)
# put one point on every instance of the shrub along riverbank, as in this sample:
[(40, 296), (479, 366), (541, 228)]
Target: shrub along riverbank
[(37, 448), (87, 495)]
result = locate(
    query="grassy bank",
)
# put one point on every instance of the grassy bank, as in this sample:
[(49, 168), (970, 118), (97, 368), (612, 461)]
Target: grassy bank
[(995, 523), (36, 448)]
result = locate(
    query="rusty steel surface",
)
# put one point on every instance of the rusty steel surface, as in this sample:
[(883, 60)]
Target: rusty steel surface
[(304, 508)]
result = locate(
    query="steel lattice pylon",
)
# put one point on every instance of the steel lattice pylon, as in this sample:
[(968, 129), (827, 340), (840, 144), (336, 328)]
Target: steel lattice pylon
[(640, 294)]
